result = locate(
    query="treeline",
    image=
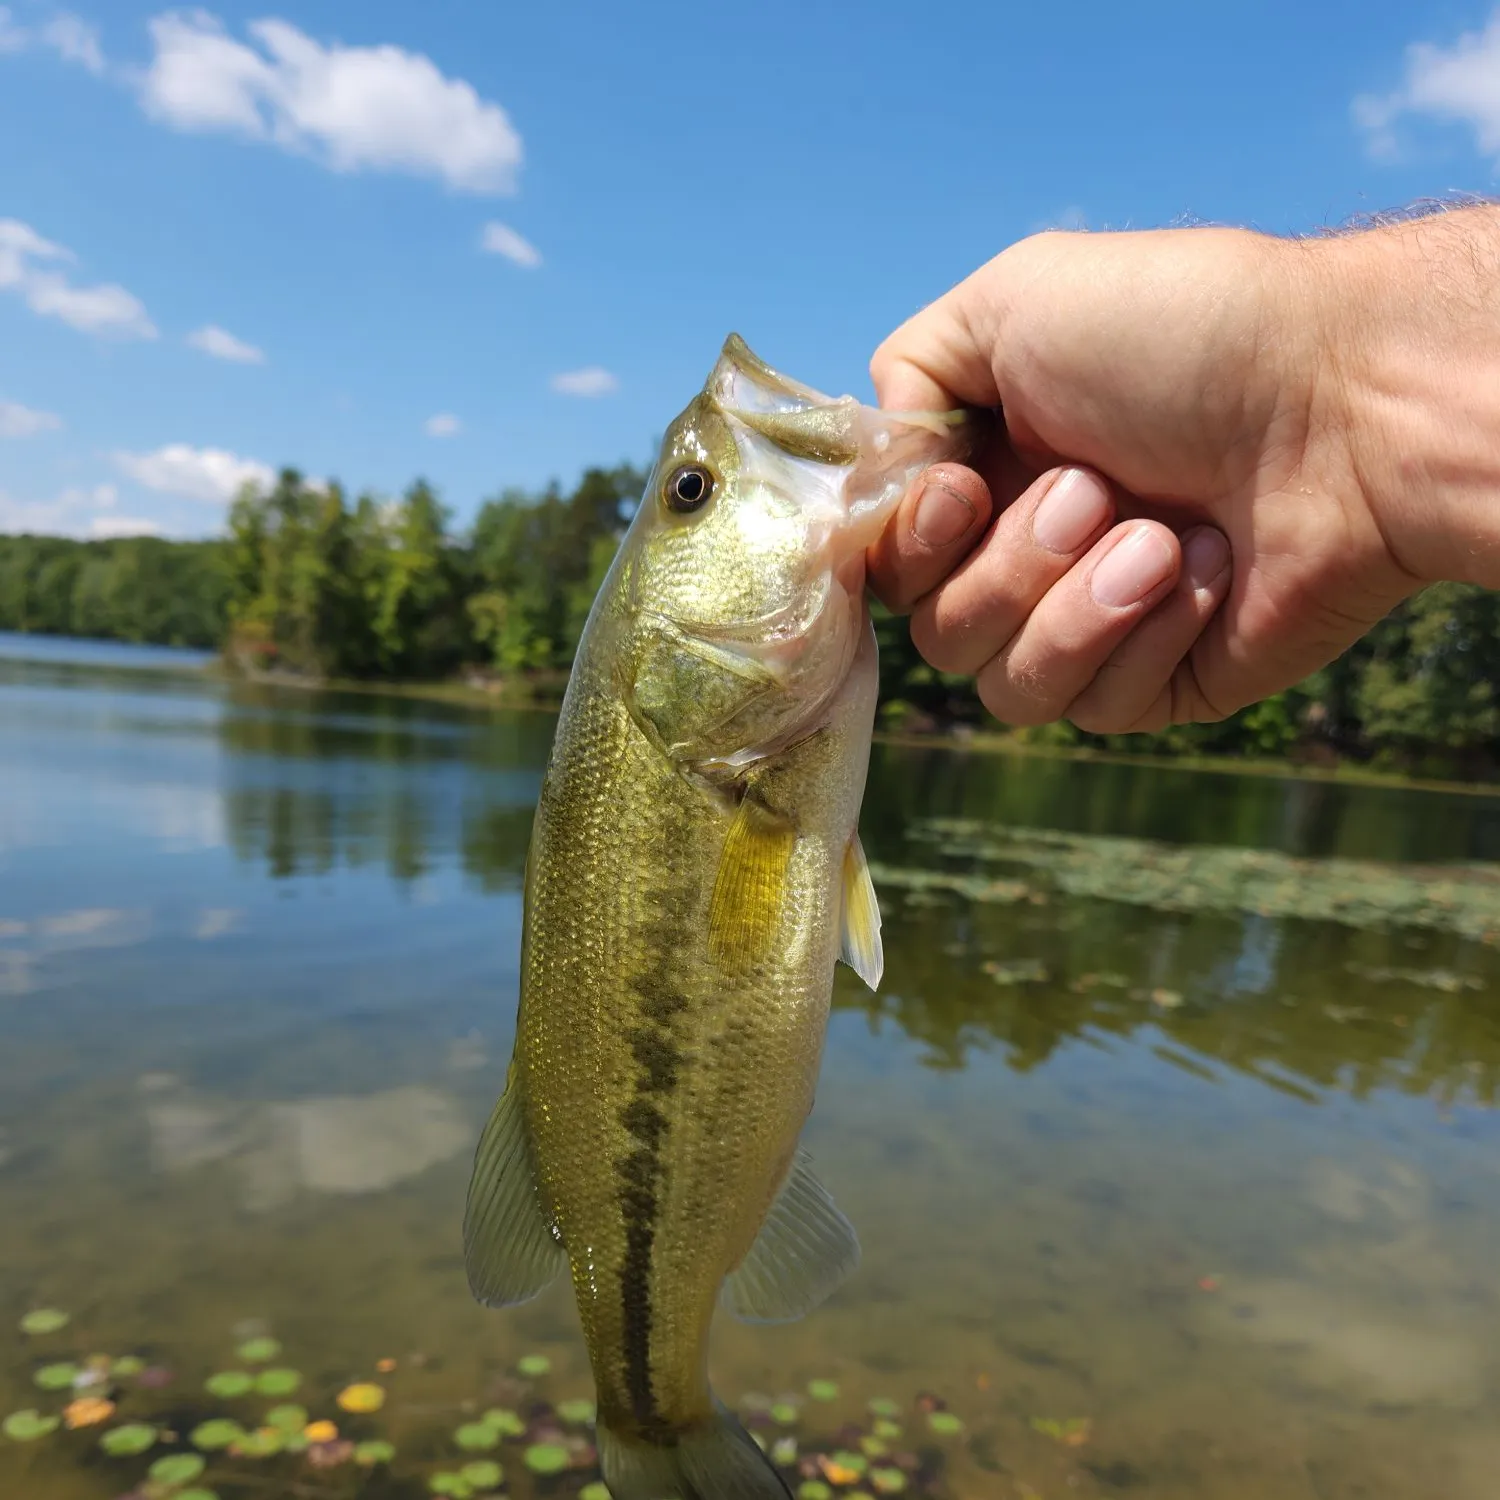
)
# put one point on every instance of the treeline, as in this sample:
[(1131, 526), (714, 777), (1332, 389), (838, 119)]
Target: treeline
[(310, 583)]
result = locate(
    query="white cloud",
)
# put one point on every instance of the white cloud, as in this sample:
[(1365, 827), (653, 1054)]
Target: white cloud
[(445, 424), (17, 421), (74, 40), (353, 108), (105, 309), (222, 344), (101, 528), (212, 475), (1460, 83), (501, 239), (73, 513), (71, 37), (589, 381)]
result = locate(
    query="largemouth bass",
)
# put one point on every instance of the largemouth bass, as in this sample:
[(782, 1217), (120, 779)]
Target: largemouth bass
[(694, 874)]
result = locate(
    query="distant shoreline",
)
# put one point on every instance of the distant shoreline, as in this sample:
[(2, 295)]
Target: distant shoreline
[(957, 739)]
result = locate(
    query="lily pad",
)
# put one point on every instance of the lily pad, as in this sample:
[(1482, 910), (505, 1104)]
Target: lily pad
[(277, 1382), (24, 1426), (321, 1432), (784, 1413), (176, 1468), (534, 1365), (258, 1351), (476, 1436), (483, 1474), (580, 1412), (595, 1489), (44, 1320), (196, 1493), (362, 1398), (288, 1418), (814, 1489), (215, 1434), (264, 1442), (228, 1384), (887, 1429), (58, 1377), (506, 1423), (944, 1423), (126, 1441), (888, 1481), (546, 1458), (450, 1484), (854, 1463), (822, 1390), (127, 1365), (374, 1452), (883, 1406)]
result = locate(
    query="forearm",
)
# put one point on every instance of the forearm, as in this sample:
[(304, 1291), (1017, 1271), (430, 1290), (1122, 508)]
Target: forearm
[(1413, 335)]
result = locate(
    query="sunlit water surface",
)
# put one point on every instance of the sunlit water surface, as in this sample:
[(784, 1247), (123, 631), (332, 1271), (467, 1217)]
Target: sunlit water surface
[(1207, 1184)]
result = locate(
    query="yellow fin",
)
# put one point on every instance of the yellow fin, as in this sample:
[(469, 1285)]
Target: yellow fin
[(860, 947), (745, 910)]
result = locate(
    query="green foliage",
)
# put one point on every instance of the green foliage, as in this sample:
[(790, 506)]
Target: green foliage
[(309, 583)]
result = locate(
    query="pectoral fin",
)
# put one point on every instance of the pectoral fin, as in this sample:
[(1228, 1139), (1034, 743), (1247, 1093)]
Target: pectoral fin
[(861, 947), (745, 910), (510, 1253), (804, 1250)]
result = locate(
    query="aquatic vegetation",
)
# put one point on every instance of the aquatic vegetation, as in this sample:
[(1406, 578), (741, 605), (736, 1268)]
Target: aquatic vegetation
[(44, 1320), (184, 1450)]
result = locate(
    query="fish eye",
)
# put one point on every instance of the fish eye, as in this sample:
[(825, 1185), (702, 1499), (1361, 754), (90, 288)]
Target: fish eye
[(688, 488)]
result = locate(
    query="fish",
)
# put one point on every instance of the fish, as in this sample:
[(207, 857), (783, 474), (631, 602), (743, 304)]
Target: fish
[(693, 877)]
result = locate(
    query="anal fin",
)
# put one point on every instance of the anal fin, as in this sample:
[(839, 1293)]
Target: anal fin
[(860, 945), (510, 1253), (804, 1250)]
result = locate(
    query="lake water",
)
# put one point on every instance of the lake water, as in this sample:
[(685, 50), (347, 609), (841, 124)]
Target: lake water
[(1166, 1196)]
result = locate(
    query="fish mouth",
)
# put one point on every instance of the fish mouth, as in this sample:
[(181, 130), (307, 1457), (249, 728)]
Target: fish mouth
[(879, 452)]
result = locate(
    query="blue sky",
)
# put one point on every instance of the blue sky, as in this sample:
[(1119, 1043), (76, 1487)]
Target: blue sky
[(256, 235)]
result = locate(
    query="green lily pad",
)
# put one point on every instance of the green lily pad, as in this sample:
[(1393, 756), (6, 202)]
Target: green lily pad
[(44, 1320), (784, 1413), (374, 1452), (288, 1418), (126, 1441), (887, 1430), (127, 1365), (262, 1443), (476, 1436), (196, 1493), (533, 1365), (483, 1474), (874, 1447), (576, 1411), (822, 1390), (944, 1423), (814, 1489), (56, 1377), (258, 1351), (855, 1462), (595, 1489), (546, 1458), (215, 1434), (176, 1468), (883, 1406), (450, 1484), (506, 1423), (24, 1426), (277, 1382), (887, 1481), (228, 1384)]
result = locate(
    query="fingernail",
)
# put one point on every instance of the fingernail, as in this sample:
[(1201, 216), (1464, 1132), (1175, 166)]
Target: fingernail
[(1070, 512), (942, 515), (1205, 555), (1131, 569)]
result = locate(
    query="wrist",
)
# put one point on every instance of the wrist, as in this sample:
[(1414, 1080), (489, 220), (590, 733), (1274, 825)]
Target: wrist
[(1410, 333)]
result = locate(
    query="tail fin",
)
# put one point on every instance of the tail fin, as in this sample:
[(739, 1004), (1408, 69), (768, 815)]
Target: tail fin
[(717, 1462)]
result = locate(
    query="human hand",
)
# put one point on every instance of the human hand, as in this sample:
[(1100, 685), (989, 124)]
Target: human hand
[(1194, 502)]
